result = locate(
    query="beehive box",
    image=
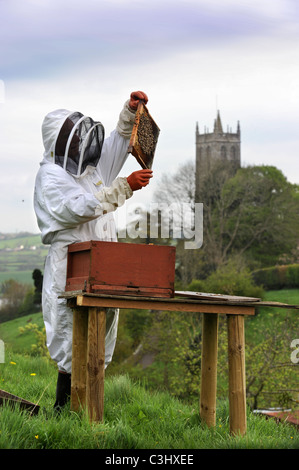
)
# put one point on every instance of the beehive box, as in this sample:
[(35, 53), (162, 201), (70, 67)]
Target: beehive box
[(121, 268), (144, 137)]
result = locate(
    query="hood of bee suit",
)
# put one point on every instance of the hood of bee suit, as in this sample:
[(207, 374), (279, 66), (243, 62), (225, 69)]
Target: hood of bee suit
[(72, 140)]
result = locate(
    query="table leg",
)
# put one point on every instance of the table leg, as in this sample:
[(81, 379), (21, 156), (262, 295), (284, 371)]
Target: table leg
[(79, 351), (95, 366), (208, 382), (237, 379)]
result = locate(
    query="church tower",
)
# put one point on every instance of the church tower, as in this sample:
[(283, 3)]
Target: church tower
[(213, 147)]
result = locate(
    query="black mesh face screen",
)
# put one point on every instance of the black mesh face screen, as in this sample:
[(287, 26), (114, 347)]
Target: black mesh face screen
[(64, 134), (79, 143), (92, 137)]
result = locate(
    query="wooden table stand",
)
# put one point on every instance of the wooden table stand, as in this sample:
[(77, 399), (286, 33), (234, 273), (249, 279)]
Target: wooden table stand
[(208, 382), (88, 362), (236, 366), (236, 374)]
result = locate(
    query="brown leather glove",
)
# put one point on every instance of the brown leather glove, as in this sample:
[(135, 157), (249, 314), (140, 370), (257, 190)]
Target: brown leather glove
[(139, 179), (135, 97)]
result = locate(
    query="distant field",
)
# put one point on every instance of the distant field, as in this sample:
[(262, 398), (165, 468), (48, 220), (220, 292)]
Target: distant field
[(18, 264), (24, 277), (27, 241)]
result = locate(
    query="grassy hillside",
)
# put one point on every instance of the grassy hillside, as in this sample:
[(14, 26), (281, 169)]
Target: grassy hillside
[(134, 418), (10, 334), (269, 317)]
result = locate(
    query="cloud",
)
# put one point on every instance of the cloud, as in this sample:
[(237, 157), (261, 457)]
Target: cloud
[(47, 38), (191, 57)]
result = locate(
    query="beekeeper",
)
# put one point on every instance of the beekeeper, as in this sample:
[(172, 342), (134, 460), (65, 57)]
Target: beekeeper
[(76, 192)]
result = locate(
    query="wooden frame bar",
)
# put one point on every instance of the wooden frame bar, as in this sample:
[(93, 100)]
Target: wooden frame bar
[(88, 363)]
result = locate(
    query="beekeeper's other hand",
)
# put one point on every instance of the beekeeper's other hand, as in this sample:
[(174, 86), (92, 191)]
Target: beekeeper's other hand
[(135, 97), (139, 179)]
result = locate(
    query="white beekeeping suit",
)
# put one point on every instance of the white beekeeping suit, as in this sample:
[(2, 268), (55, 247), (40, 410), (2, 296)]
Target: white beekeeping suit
[(76, 192)]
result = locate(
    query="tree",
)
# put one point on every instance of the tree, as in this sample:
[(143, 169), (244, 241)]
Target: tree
[(271, 378), (38, 284), (253, 214), (179, 187), (233, 278), (13, 295)]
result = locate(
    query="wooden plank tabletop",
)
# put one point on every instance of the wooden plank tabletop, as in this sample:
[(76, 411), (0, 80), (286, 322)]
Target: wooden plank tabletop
[(187, 298)]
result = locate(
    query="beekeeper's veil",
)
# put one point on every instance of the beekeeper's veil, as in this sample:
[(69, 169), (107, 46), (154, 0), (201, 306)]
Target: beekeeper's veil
[(72, 140)]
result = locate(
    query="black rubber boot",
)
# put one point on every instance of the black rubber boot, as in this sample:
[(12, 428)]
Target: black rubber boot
[(63, 390)]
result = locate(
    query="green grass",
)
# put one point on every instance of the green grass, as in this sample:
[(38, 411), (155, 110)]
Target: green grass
[(134, 418), (289, 296), (20, 343), (268, 317)]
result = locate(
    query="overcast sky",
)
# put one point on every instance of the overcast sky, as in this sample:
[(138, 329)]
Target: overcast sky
[(191, 57)]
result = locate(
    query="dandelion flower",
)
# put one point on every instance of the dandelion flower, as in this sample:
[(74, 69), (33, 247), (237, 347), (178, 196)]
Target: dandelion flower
[(13, 363), (33, 373), (36, 437)]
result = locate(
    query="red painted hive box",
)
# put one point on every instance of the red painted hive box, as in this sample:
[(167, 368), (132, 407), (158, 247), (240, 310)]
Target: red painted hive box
[(121, 268)]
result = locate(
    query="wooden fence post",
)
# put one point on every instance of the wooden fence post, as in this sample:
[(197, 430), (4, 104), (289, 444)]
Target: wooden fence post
[(208, 384), (237, 379)]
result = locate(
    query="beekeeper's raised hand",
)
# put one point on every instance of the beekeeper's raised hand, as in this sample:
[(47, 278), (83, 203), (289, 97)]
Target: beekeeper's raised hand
[(135, 97), (139, 179)]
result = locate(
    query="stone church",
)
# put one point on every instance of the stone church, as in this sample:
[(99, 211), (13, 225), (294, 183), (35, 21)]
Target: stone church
[(214, 147)]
